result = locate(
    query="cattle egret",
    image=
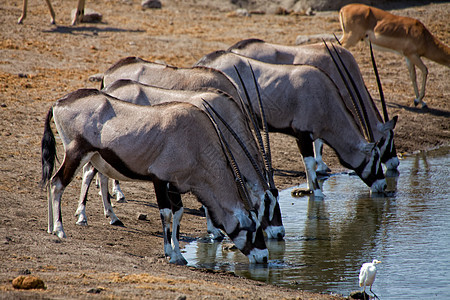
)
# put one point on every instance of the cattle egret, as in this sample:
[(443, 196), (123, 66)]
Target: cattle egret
[(367, 275)]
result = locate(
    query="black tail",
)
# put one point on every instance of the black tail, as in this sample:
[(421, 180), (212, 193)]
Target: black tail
[(48, 148)]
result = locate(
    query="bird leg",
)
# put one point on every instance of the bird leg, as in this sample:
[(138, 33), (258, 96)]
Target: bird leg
[(373, 293)]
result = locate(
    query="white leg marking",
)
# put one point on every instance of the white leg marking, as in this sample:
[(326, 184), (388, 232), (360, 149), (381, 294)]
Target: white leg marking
[(166, 217), (214, 231), (177, 257), (88, 175), (107, 208), (120, 197), (321, 166), (57, 191), (310, 168)]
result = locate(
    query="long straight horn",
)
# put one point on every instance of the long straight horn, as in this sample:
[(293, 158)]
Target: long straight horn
[(338, 41), (363, 119), (380, 88), (268, 154), (250, 114), (363, 107), (231, 160), (239, 141)]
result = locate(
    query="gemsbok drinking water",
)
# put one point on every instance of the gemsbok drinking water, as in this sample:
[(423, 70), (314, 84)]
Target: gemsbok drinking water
[(174, 145), (302, 101), (248, 158), (318, 55)]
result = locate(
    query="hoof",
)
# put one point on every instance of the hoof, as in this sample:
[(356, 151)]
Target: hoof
[(60, 234), (82, 223), (117, 223), (121, 200), (219, 237), (179, 261)]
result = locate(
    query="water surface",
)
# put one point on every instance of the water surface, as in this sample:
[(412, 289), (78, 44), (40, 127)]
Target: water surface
[(327, 240)]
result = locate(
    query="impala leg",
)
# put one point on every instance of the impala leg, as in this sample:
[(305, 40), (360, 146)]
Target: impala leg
[(420, 94), (412, 62), (79, 13), (107, 207), (88, 174), (52, 12), (177, 212), (120, 197), (322, 168), (24, 12)]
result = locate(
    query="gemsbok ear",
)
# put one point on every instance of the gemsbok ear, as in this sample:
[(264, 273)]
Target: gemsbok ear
[(245, 222), (367, 148), (389, 125)]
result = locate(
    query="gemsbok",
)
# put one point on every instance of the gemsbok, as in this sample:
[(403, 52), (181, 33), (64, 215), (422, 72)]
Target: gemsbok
[(174, 145), (77, 17), (317, 55), (302, 101), (402, 35), (170, 77), (249, 158)]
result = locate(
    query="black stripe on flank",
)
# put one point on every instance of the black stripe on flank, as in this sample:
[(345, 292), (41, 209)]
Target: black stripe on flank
[(114, 161)]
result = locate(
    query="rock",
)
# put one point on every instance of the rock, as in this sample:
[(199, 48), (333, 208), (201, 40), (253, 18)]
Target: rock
[(142, 217), (96, 77), (153, 4), (307, 39), (359, 295), (28, 282), (90, 16), (97, 290), (242, 12)]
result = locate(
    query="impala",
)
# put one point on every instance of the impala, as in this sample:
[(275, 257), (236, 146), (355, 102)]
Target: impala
[(77, 18), (403, 35)]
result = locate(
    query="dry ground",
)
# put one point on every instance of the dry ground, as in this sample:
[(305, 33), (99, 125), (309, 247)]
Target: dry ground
[(40, 63)]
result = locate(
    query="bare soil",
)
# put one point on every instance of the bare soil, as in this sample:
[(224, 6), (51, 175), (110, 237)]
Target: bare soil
[(40, 62)]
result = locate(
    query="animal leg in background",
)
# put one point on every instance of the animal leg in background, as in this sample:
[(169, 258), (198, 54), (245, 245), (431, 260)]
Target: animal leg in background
[(170, 204)]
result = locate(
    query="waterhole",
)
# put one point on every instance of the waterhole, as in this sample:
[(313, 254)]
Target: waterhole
[(327, 240)]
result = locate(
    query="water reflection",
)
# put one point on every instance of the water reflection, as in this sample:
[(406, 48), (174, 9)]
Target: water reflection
[(327, 240)]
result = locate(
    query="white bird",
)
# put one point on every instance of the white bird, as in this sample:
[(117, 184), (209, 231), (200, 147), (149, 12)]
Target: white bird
[(367, 275)]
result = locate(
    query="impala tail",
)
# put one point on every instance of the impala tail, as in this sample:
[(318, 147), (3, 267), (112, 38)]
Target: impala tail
[(48, 148)]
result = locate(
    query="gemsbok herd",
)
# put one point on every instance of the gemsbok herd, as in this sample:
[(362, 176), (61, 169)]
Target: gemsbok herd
[(205, 130)]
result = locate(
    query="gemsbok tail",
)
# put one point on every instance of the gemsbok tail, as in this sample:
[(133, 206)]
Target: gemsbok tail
[(48, 148)]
